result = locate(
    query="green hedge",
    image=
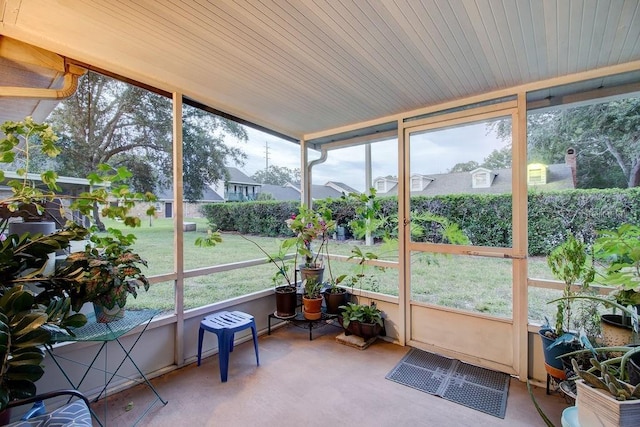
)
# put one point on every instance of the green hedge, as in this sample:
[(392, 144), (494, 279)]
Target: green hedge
[(485, 218)]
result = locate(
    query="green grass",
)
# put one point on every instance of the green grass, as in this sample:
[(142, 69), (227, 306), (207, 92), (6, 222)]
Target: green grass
[(471, 283)]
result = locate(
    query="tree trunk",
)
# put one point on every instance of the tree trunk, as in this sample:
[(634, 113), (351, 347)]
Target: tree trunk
[(96, 218)]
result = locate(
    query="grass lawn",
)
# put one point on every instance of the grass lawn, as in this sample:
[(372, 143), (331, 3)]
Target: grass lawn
[(470, 283)]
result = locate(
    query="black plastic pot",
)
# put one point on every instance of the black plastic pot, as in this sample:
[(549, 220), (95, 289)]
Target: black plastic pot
[(286, 301), (333, 301), (633, 369)]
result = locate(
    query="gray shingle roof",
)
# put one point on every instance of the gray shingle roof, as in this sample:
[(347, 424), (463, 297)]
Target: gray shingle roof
[(236, 176), (281, 193), (166, 194), (558, 178)]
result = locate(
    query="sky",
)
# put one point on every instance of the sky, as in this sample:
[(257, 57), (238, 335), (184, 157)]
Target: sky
[(431, 153)]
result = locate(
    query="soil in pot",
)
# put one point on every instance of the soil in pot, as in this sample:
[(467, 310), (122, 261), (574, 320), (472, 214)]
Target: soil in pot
[(333, 301), (286, 301)]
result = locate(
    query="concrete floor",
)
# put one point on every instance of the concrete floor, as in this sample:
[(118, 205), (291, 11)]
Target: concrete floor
[(309, 383)]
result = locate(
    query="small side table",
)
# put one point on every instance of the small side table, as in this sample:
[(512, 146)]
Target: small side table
[(105, 333)]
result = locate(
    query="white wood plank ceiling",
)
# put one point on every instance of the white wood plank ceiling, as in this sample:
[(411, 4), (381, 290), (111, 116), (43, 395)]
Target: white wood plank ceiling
[(302, 66)]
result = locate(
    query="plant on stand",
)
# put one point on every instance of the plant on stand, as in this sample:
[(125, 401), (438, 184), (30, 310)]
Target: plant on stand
[(570, 263), (312, 299), (309, 227), (27, 318)]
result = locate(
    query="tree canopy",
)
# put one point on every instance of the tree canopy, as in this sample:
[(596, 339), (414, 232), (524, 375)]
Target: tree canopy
[(277, 175), (606, 137), (109, 121)]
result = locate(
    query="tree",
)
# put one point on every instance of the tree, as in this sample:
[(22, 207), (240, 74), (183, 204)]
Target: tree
[(606, 138), (108, 121), (277, 175), (465, 167), (498, 159)]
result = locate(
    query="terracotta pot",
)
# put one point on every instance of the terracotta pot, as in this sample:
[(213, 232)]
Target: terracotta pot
[(334, 300), (286, 301), (312, 308)]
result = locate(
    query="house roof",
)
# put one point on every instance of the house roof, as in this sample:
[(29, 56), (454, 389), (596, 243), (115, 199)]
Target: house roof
[(341, 187), (208, 195), (310, 68), (236, 176), (280, 192), (558, 178)]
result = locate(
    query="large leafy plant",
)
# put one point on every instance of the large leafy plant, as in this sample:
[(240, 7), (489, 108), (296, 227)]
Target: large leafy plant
[(620, 250), (26, 319), (362, 313)]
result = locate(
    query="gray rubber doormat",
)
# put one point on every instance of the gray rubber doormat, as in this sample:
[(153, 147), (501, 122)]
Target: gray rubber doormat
[(477, 388)]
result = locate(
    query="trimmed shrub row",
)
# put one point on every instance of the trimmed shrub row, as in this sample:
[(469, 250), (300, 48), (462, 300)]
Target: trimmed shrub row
[(484, 218)]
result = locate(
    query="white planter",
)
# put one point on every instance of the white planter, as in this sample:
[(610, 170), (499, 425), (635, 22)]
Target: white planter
[(599, 409)]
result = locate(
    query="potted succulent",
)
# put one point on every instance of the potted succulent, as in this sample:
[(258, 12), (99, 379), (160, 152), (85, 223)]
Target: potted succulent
[(604, 395)]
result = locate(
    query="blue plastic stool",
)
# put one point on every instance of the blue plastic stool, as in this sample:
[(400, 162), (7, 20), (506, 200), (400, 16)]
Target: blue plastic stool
[(225, 324)]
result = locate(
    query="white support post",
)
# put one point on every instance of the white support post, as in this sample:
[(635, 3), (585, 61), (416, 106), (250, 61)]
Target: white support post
[(368, 240), (404, 256)]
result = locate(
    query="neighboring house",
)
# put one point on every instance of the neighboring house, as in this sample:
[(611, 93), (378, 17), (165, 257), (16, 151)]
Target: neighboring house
[(69, 187), (481, 180), (239, 187), (291, 191)]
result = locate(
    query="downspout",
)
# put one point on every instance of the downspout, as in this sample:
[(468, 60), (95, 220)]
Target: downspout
[(307, 183)]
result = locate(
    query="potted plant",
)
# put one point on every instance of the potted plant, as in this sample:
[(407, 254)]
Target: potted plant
[(604, 397), (362, 320), (310, 226), (287, 293), (105, 274), (27, 317), (570, 263), (312, 299), (619, 251)]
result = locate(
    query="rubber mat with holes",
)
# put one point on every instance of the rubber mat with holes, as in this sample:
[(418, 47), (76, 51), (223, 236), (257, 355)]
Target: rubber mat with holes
[(477, 388)]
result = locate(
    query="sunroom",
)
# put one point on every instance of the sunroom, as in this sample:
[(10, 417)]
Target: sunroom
[(333, 77)]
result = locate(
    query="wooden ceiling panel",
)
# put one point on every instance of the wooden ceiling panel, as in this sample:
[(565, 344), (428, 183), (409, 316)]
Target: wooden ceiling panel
[(303, 66)]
